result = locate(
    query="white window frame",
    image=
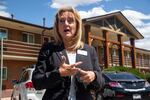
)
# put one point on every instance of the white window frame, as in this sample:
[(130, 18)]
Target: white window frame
[(114, 52), (6, 31), (128, 54), (28, 34)]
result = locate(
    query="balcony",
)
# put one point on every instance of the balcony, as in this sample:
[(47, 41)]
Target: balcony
[(18, 50)]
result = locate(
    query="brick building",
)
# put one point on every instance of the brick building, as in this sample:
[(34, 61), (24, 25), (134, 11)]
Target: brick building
[(108, 34)]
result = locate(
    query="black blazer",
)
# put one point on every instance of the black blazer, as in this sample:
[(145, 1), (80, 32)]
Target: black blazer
[(46, 74)]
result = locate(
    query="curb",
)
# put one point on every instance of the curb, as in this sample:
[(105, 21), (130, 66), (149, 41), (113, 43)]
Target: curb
[(8, 98)]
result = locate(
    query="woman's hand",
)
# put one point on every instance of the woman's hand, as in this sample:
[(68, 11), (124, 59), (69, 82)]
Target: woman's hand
[(68, 69), (87, 76)]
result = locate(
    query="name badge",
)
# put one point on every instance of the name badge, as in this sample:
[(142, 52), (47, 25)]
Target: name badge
[(82, 52)]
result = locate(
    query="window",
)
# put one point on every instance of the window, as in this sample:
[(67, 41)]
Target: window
[(4, 73), (114, 52), (3, 33), (128, 55), (121, 76), (25, 76), (52, 39), (45, 39), (29, 38), (24, 37), (101, 51)]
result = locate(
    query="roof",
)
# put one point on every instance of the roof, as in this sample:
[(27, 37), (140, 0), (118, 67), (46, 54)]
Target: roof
[(21, 25), (98, 20)]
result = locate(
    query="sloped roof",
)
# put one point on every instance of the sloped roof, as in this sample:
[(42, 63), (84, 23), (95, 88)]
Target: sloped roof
[(129, 28), (21, 25), (16, 24)]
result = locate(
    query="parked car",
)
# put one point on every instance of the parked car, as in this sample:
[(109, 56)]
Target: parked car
[(124, 86), (23, 88)]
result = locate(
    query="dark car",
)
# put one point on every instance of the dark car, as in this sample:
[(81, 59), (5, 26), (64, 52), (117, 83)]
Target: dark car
[(124, 86)]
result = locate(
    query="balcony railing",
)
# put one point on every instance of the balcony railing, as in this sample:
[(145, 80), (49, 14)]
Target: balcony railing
[(17, 49), (27, 51)]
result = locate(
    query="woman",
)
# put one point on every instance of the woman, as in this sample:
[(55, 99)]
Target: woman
[(68, 69)]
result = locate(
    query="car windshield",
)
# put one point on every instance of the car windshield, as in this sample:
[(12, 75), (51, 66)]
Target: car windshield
[(25, 75), (121, 76)]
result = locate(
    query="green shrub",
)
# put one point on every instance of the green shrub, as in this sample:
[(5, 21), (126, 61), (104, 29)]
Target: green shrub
[(147, 76), (126, 69)]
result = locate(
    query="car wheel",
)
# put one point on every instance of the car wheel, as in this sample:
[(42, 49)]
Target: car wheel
[(19, 97), (12, 97), (108, 98)]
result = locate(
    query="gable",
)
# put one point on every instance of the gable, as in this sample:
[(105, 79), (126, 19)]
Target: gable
[(115, 23)]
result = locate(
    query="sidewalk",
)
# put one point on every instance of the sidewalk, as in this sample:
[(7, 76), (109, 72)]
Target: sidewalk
[(8, 98), (6, 94)]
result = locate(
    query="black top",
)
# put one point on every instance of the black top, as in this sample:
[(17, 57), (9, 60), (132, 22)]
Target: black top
[(46, 74)]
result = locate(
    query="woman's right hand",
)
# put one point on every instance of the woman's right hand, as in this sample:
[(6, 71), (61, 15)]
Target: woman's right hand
[(68, 69)]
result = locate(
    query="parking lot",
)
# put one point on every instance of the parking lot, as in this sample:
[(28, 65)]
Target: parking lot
[(6, 94)]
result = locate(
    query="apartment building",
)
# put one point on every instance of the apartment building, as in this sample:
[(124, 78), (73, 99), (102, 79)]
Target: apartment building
[(20, 47), (112, 35)]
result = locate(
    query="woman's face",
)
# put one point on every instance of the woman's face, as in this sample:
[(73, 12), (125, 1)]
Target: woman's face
[(67, 25)]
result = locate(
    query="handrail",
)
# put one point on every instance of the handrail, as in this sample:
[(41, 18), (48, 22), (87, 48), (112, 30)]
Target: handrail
[(20, 42), (20, 49)]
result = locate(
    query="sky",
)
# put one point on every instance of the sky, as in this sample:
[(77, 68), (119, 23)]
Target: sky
[(33, 11)]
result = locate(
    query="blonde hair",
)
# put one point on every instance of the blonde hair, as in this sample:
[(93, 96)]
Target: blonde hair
[(76, 40)]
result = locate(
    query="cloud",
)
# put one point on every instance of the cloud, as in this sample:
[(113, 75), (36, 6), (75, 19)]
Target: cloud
[(144, 43), (3, 11), (136, 18), (141, 22), (96, 11), (145, 30), (2, 7), (73, 3)]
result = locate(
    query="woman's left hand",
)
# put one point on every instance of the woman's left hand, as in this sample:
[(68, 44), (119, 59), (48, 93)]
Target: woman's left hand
[(87, 76)]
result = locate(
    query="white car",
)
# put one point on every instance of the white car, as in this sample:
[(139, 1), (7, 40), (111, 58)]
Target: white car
[(23, 88)]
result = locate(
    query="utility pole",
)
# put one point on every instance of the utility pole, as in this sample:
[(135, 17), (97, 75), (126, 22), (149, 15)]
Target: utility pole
[(3, 36), (1, 78)]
